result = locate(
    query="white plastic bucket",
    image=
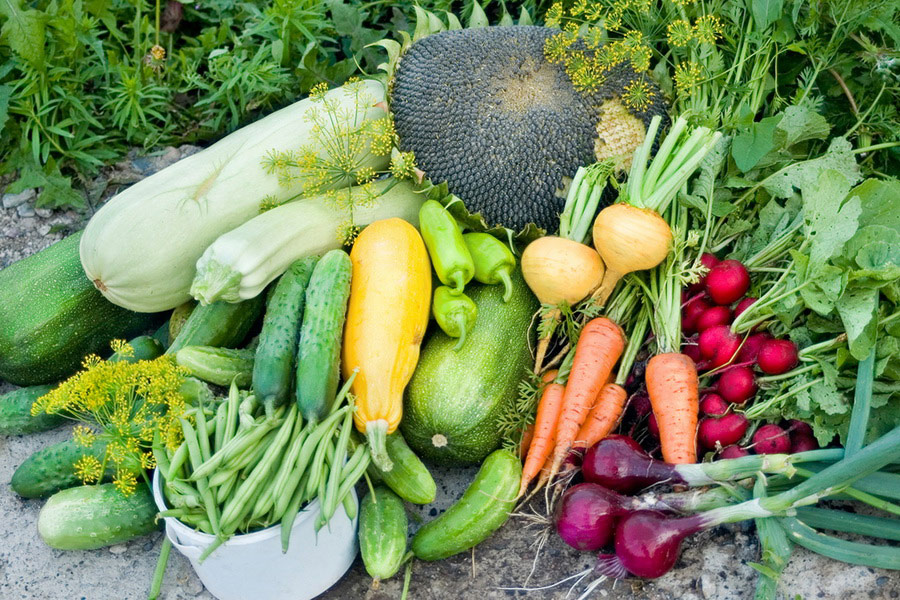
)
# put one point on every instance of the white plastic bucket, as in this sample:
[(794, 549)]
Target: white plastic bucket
[(252, 566)]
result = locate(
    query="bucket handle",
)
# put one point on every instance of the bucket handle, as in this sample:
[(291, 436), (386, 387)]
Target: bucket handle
[(191, 552)]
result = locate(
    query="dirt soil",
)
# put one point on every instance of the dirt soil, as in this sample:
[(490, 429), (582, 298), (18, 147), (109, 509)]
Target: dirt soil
[(715, 565)]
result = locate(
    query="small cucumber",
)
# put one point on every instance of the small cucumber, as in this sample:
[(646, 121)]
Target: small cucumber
[(219, 366), (218, 324), (319, 350), (52, 469), (15, 412), (483, 508), (143, 347), (409, 478), (382, 533), (273, 370), (179, 317), (94, 516)]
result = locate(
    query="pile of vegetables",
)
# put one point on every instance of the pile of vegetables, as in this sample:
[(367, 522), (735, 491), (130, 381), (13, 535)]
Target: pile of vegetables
[(707, 338)]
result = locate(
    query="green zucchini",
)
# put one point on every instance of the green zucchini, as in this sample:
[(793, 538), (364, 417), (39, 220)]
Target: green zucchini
[(15, 412), (94, 516), (51, 316), (382, 533), (455, 399), (218, 324), (273, 369), (219, 366), (143, 347), (410, 478), (52, 469), (319, 349), (483, 508)]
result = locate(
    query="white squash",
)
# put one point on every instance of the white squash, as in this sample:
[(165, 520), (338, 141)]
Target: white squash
[(242, 262), (140, 249)]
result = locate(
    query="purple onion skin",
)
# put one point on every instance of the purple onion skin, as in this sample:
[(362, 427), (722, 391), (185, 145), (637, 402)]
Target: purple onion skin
[(587, 516), (648, 543), (617, 462)]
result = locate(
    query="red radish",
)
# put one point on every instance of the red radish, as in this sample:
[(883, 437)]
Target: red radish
[(691, 349), (713, 405), (750, 349), (733, 452), (803, 443), (640, 403), (737, 384), (716, 315), (718, 344), (708, 260), (743, 305), (586, 518), (727, 282), (771, 439), (798, 427), (777, 356), (653, 426), (692, 311), (723, 431)]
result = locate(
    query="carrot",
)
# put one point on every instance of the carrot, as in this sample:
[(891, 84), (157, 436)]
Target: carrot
[(527, 436), (673, 388), (544, 428), (599, 347), (603, 417)]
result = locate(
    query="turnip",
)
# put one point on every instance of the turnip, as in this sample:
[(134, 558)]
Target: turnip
[(692, 311), (733, 452), (723, 431), (777, 356), (727, 282), (743, 305), (771, 439), (718, 345), (713, 405), (713, 316), (750, 349), (737, 384)]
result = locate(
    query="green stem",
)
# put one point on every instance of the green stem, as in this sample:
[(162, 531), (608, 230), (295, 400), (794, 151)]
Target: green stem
[(160, 570), (862, 398)]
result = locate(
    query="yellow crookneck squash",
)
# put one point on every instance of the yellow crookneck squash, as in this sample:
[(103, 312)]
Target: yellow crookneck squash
[(390, 298)]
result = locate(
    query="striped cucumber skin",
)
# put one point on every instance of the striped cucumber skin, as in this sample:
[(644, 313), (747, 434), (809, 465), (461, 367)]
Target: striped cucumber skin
[(178, 318), (15, 412), (273, 370), (483, 508), (382, 533), (52, 469), (219, 366), (410, 478), (319, 350), (218, 324), (94, 516)]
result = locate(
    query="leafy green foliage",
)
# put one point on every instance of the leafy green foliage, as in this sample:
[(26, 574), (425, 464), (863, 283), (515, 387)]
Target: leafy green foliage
[(82, 81)]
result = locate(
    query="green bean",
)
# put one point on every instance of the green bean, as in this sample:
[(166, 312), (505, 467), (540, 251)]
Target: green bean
[(287, 520), (318, 465), (222, 476), (190, 437), (178, 460), (221, 416), (356, 473), (220, 539), (224, 491), (177, 513), (159, 455), (350, 506), (237, 507), (266, 499), (324, 428), (253, 455), (203, 434), (232, 448), (329, 505), (231, 414), (289, 463)]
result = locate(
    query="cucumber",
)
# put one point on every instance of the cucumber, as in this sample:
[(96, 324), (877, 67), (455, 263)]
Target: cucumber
[(455, 398), (273, 369), (94, 516), (219, 366), (483, 508), (410, 478), (319, 350), (15, 412), (382, 533), (51, 316), (178, 318), (143, 347), (52, 469), (218, 324)]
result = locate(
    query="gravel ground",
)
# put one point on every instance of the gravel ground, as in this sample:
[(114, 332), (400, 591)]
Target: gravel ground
[(715, 565)]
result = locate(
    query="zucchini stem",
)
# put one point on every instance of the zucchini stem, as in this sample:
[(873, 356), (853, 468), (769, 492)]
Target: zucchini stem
[(376, 434)]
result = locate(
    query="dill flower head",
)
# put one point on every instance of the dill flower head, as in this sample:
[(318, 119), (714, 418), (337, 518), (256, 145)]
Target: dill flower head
[(707, 29), (679, 33), (554, 15), (403, 165), (638, 95), (122, 405), (88, 469), (687, 77)]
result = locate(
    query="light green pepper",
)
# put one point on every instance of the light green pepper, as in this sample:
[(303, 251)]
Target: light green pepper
[(444, 240), (455, 313), (494, 261)]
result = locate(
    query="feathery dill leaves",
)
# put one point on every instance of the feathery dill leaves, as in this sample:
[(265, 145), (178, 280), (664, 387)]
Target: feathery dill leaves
[(520, 413), (121, 405)]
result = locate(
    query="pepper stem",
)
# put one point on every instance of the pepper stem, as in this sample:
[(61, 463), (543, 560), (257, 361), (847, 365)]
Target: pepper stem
[(376, 434), (503, 275), (456, 278), (460, 320)]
